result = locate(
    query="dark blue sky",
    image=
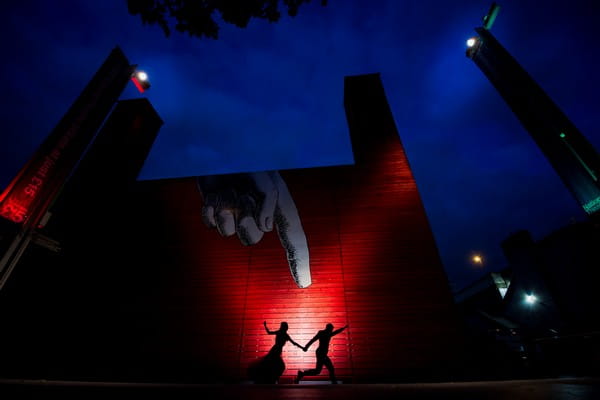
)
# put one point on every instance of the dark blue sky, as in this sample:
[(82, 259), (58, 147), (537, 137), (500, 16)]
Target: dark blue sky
[(270, 97)]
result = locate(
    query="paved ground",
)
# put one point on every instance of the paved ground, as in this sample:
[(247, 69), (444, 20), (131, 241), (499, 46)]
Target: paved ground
[(554, 389)]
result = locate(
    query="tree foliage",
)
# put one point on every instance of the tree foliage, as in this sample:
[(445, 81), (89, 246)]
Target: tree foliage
[(197, 17)]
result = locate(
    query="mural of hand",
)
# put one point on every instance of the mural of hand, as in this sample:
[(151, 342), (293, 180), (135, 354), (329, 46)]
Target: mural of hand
[(250, 205)]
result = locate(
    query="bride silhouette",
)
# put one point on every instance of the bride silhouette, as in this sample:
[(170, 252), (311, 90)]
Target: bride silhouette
[(270, 368)]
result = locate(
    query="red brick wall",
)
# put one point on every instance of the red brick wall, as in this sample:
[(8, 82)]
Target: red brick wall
[(374, 266), (145, 291)]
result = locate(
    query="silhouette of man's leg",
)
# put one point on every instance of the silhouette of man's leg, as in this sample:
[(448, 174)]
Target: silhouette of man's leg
[(329, 365), (314, 371)]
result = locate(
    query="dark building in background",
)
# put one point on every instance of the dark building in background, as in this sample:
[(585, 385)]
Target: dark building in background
[(561, 271), (495, 341), (144, 290), (121, 147), (570, 153), (546, 321), (106, 174)]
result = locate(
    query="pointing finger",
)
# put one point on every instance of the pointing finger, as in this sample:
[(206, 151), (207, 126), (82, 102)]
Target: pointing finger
[(291, 234)]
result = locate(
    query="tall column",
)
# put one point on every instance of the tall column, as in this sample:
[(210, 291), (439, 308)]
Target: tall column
[(570, 153), (24, 203)]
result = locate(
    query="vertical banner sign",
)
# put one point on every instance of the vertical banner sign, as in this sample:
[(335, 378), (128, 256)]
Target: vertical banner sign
[(28, 196)]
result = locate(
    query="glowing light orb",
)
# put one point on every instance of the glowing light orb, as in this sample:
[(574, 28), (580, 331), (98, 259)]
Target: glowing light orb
[(530, 299), (142, 76)]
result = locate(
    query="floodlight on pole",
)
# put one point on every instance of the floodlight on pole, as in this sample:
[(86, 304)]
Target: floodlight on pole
[(142, 76), (473, 45), (140, 80)]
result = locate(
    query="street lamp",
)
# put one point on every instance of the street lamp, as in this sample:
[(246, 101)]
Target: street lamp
[(142, 76), (140, 80), (477, 259), (530, 299), (473, 44)]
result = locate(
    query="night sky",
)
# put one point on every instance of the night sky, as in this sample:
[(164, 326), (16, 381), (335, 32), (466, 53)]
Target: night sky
[(271, 97)]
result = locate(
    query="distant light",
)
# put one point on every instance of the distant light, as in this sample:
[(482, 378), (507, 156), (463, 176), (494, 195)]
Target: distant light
[(142, 76), (477, 259), (471, 42), (530, 299), (562, 135), (140, 80)]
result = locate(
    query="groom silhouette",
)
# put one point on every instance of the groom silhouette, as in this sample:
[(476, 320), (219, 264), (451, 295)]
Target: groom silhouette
[(324, 336)]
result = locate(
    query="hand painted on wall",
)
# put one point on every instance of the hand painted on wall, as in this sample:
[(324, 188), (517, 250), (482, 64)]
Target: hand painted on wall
[(251, 205)]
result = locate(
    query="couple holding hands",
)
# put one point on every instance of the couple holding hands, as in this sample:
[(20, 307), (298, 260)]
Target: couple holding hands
[(273, 366)]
